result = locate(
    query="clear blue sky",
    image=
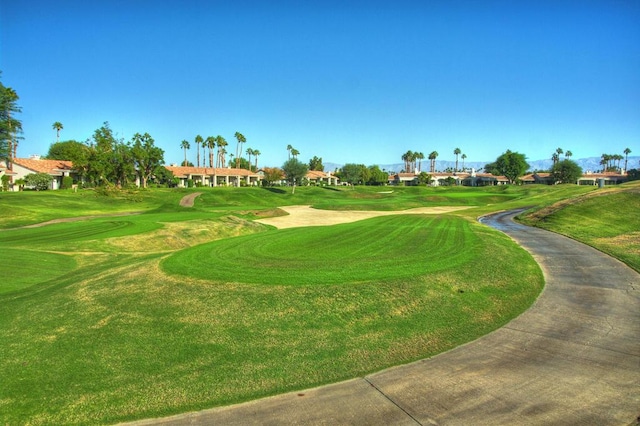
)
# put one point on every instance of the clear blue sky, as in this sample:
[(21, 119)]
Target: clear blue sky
[(348, 81)]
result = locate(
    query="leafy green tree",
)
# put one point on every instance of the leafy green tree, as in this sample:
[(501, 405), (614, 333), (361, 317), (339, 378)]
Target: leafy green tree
[(164, 176), (10, 126), (316, 164), (67, 182), (294, 171), (566, 171), (57, 126), (376, 176), (352, 173), (67, 150), (272, 175), (40, 181), (424, 178), (146, 155), (512, 165), (633, 174)]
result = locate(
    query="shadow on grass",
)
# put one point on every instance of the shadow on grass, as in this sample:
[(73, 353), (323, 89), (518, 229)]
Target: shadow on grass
[(331, 188), (274, 190)]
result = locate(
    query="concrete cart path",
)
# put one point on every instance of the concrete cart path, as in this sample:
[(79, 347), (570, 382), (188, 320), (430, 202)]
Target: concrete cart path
[(573, 358)]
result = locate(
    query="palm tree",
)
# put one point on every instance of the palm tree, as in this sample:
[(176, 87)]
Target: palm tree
[(419, 156), (555, 158), (568, 154), (432, 157), (456, 152), (220, 161), (210, 143), (249, 154), (626, 151), (289, 148), (256, 153), (198, 142), (241, 139), (559, 152), (57, 126), (294, 153), (185, 145), (464, 157)]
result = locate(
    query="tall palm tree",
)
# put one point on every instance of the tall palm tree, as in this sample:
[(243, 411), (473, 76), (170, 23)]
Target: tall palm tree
[(568, 154), (294, 153), (256, 153), (210, 143), (626, 151), (222, 143), (559, 151), (420, 157), (249, 153), (289, 148), (241, 139), (432, 157), (456, 152), (464, 157), (185, 145), (57, 126), (198, 142), (555, 158)]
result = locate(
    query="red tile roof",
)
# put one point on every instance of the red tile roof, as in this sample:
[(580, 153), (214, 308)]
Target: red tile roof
[(52, 167)]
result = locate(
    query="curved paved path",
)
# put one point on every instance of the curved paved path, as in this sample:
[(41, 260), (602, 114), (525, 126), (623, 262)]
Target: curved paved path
[(573, 358)]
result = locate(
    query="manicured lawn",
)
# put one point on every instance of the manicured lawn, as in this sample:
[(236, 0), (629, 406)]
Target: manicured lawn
[(174, 309)]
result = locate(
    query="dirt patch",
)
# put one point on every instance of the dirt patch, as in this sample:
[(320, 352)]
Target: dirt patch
[(308, 216), (188, 200)]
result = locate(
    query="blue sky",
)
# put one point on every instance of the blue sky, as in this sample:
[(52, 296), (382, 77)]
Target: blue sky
[(348, 81)]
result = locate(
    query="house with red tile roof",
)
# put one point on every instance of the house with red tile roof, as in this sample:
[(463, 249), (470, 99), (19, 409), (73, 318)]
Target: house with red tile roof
[(57, 169), (212, 176), (316, 177)]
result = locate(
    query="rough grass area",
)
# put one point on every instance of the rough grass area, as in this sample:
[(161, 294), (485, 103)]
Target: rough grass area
[(608, 220)]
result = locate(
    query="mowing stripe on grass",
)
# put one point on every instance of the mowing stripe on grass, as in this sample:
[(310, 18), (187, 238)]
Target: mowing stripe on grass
[(378, 249)]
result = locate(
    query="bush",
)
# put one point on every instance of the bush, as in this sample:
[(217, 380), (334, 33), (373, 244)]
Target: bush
[(67, 182), (39, 181)]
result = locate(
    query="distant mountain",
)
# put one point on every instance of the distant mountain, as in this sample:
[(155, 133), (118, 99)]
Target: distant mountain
[(591, 164)]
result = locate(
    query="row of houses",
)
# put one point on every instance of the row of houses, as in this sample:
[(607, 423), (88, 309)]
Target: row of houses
[(209, 176), (200, 176), (487, 179)]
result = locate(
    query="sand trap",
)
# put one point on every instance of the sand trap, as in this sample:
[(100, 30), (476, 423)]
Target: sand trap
[(308, 216)]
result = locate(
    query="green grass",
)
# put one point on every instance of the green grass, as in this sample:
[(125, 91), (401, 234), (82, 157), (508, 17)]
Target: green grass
[(608, 220), (380, 249), (94, 331)]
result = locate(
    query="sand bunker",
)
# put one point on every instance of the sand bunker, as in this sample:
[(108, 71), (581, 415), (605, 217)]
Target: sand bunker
[(308, 216)]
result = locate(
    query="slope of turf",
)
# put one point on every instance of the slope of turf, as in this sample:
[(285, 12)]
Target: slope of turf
[(608, 220), (23, 268), (379, 249)]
